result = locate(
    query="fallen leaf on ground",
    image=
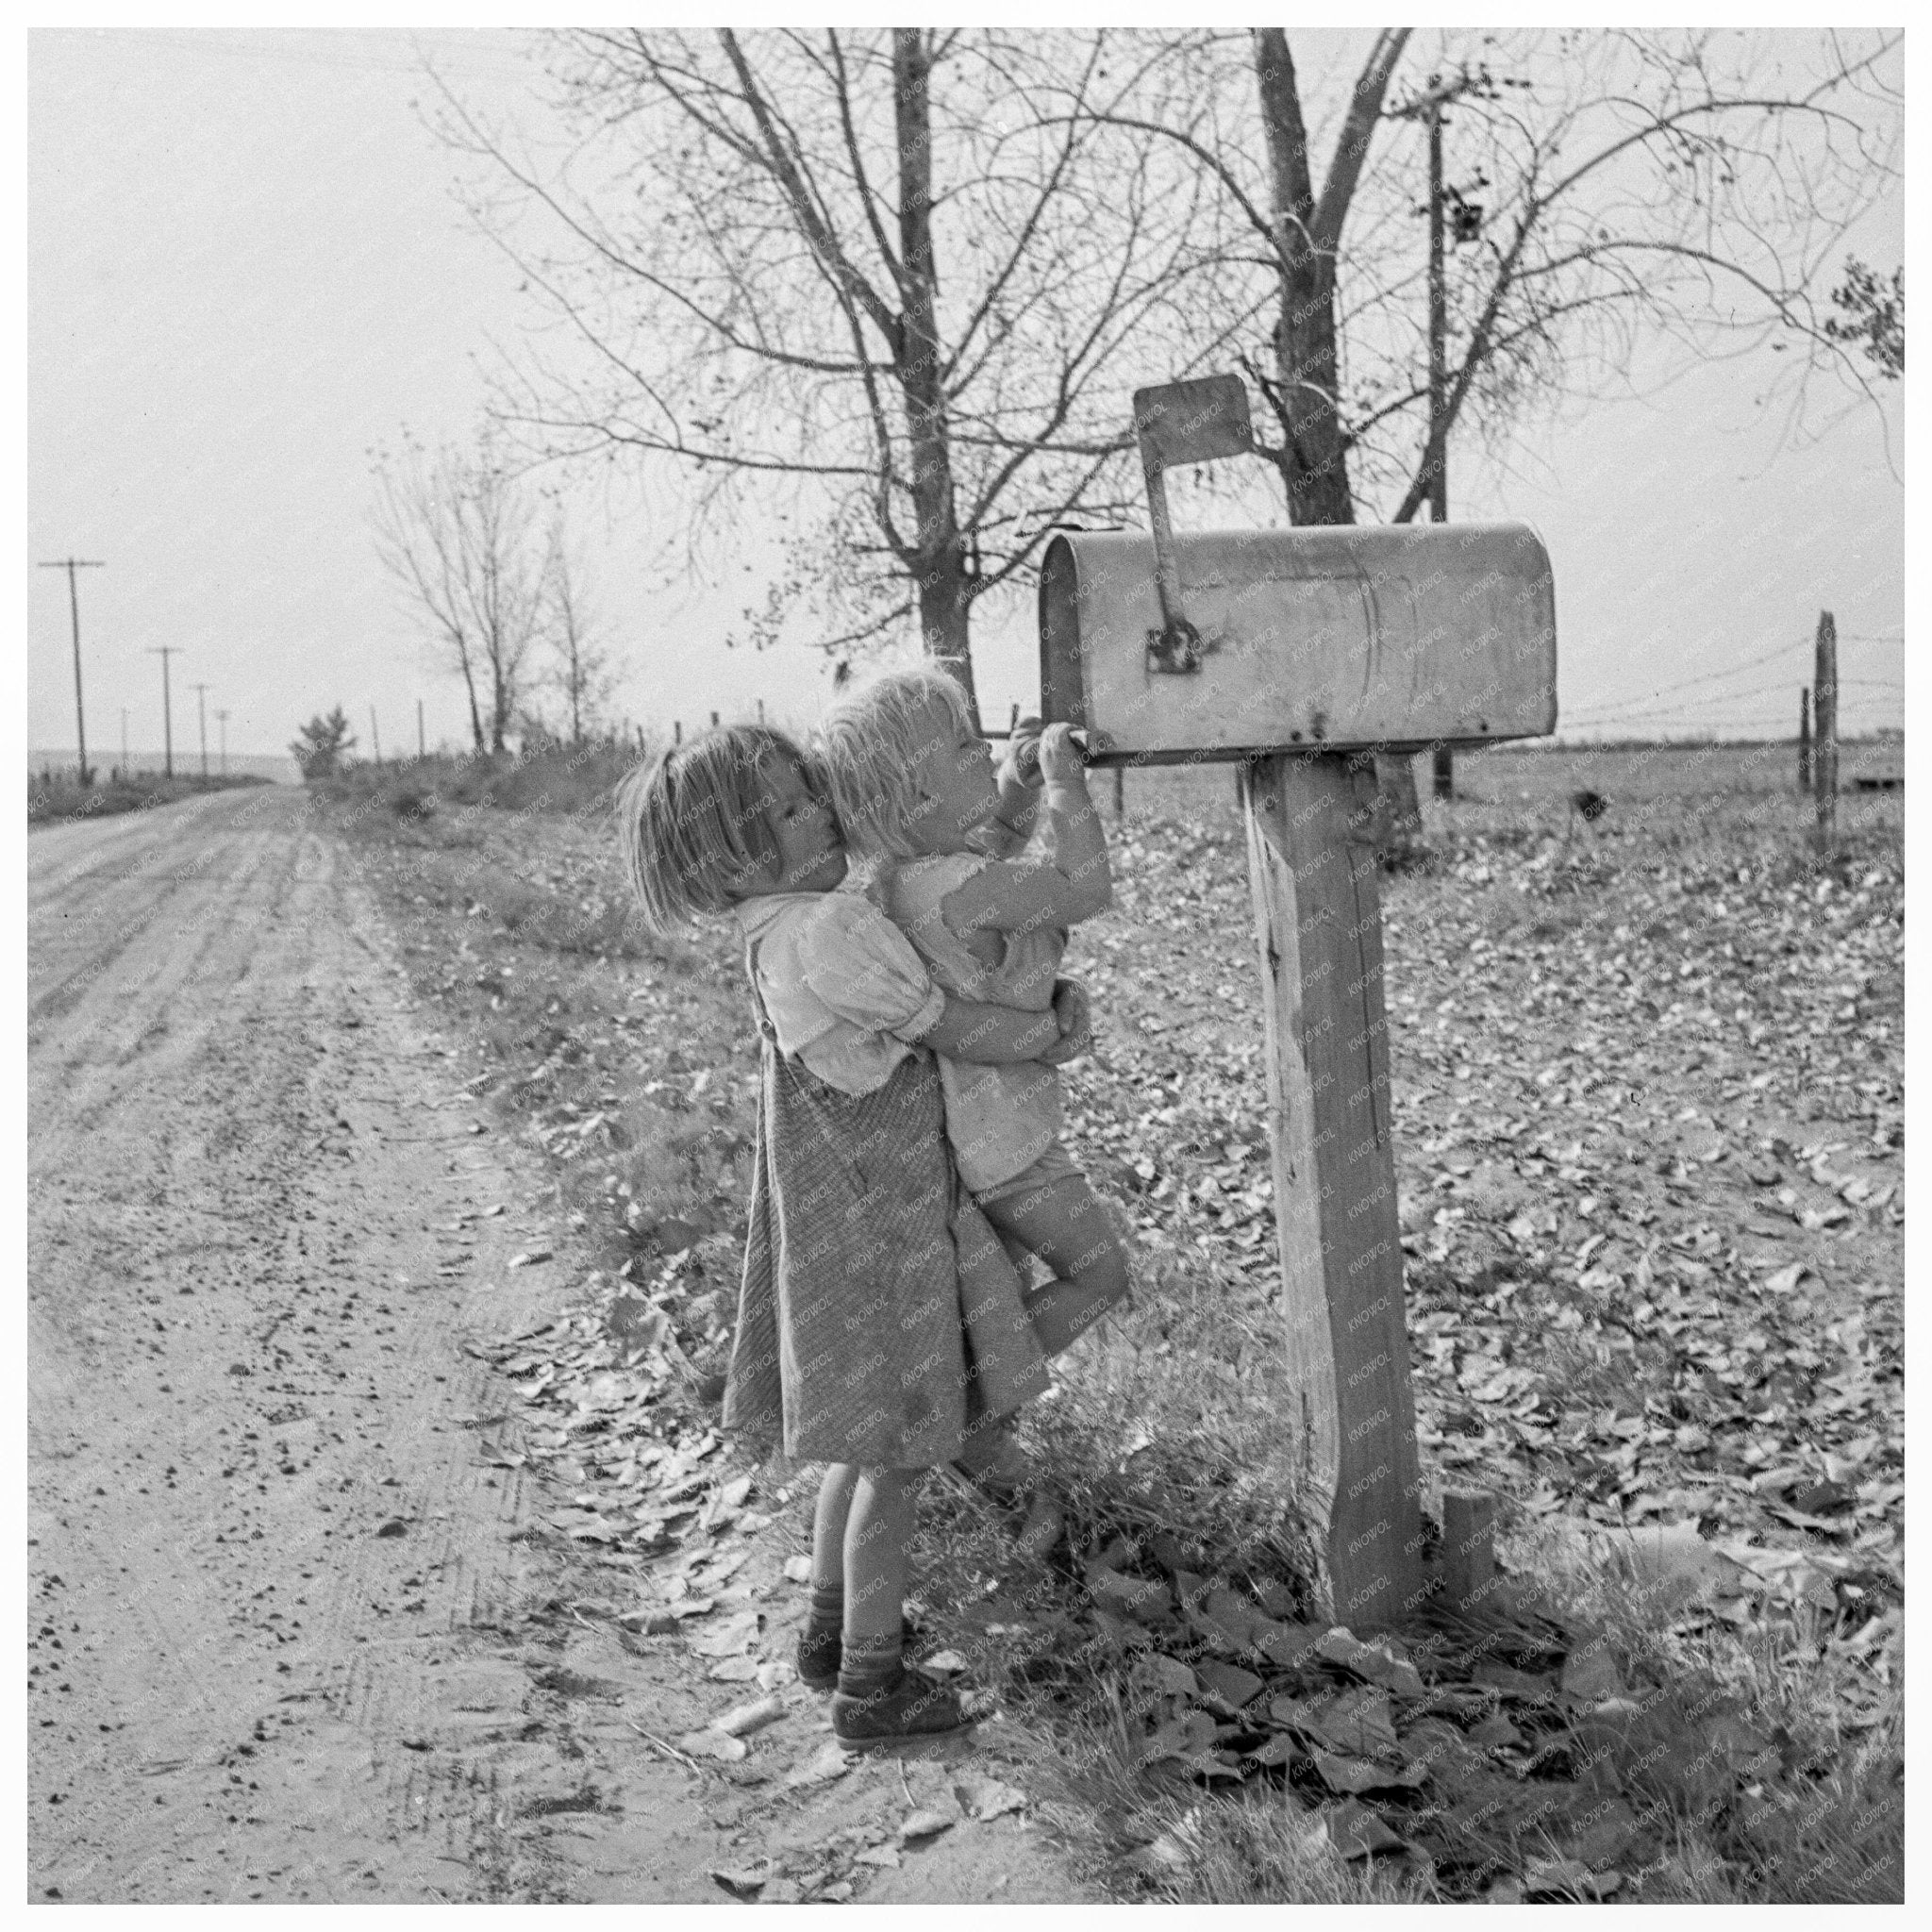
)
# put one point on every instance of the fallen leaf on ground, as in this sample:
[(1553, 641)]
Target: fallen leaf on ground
[(712, 1744), (735, 1634), (988, 1797), (1343, 1774), (829, 1761), (1355, 1831), (743, 1719), (924, 1825)]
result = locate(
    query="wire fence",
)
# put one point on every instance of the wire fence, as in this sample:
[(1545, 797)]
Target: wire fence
[(1763, 707)]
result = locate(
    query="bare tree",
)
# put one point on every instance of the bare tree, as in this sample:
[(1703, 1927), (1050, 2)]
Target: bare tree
[(1612, 187), (581, 671), (458, 531), (900, 282)]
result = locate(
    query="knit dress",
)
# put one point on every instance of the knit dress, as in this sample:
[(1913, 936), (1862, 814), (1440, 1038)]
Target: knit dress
[(879, 1319)]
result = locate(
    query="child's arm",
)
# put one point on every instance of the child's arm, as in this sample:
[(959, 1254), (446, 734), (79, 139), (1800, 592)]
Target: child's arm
[(1005, 835), (1071, 880), (991, 1036)]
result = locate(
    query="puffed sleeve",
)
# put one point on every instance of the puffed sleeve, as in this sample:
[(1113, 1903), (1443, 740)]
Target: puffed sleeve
[(864, 968)]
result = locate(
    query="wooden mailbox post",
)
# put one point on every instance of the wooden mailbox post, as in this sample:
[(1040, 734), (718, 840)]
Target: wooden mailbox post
[(1297, 655)]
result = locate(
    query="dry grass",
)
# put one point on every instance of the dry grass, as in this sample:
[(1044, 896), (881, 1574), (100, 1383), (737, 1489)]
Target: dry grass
[(548, 778), (61, 798)]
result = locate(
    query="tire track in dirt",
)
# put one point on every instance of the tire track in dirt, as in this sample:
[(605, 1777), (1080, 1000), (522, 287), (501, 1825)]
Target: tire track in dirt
[(264, 1545)]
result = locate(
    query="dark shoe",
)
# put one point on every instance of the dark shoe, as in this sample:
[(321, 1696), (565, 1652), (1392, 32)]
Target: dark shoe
[(909, 1706), (996, 1465), (819, 1654)]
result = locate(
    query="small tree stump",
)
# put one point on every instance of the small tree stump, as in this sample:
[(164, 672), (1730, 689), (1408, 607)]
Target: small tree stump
[(1469, 1547)]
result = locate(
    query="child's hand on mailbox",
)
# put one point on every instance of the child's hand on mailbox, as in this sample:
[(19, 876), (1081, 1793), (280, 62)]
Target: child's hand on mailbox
[(1072, 1009), (1017, 777), (1060, 762), (1020, 767)]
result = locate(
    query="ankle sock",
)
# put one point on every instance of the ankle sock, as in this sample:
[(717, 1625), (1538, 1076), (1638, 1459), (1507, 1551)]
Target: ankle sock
[(827, 1607), (868, 1664)]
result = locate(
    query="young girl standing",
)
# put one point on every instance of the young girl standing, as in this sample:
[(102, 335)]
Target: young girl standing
[(914, 786), (879, 1320)]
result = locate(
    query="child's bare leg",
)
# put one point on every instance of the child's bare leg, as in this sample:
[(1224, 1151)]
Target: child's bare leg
[(879, 1533), (1065, 1224), (878, 1702), (818, 1645), (828, 1529)]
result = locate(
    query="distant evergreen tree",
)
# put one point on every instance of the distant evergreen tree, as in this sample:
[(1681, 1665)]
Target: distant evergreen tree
[(319, 745)]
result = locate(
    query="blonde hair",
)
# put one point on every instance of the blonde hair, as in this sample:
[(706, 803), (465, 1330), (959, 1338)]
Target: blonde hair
[(697, 817), (870, 744)]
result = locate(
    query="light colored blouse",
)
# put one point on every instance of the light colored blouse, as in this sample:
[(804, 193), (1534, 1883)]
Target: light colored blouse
[(999, 1119), (843, 989)]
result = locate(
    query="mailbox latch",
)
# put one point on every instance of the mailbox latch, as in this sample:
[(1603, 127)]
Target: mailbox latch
[(1174, 649)]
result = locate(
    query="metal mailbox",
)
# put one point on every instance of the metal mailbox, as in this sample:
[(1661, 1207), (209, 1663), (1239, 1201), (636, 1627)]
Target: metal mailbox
[(1344, 638)]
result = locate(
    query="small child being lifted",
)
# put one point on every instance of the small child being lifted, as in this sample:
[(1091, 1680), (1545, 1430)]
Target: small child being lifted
[(915, 787)]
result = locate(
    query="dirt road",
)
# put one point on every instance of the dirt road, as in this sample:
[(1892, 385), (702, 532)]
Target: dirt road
[(285, 1642)]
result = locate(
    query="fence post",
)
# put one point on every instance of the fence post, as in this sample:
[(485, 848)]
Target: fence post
[(1804, 739), (1444, 772), (1824, 759)]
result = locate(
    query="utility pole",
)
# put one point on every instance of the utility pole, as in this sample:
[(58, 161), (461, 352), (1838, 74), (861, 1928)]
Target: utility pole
[(1428, 108), (164, 652), (374, 736), (223, 717), (1804, 739), (1443, 763), (201, 705), (421, 750), (123, 742), (1438, 324), (71, 565)]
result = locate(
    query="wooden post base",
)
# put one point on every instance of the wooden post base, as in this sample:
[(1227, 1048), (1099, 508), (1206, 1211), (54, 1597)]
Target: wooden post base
[(1318, 918)]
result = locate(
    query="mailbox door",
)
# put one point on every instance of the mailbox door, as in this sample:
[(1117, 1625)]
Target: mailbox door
[(1342, 638)]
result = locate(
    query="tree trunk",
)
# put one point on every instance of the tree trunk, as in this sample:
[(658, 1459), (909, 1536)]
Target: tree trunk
[(1314, 456), (499, 705), (939, 564), (470, 691)]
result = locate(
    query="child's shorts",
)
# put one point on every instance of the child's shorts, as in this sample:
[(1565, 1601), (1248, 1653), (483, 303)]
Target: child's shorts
[(1056, 1164)]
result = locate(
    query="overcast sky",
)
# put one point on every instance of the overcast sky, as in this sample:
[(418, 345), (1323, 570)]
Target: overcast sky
[(246, 269)]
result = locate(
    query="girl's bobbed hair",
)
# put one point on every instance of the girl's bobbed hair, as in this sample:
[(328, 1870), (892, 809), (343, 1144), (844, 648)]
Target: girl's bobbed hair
[(870, 745), (697, 817)]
